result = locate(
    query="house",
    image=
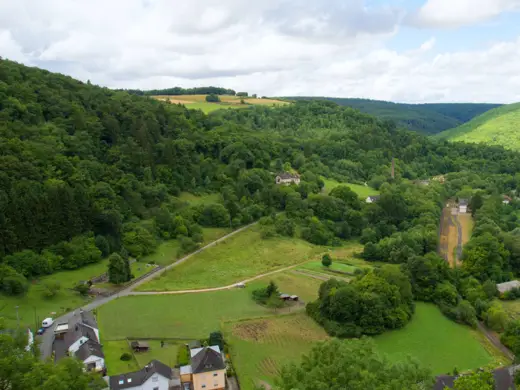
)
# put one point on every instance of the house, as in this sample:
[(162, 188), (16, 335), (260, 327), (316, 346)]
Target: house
[(504, 379), (423, 182), (287, 178), (506, 199), (372, 199), (154, 376), (463, 206), (207, 370), (139, 346), (79, 337), (508, 286)]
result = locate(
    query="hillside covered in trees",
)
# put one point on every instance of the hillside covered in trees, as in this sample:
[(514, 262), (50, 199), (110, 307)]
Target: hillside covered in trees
[(86, 171), (423, 118)]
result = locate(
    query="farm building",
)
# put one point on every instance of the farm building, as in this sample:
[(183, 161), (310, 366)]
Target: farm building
[(463, 206), (285, 297), (139, 346), (372, 199), (287, 178), (508, 286)]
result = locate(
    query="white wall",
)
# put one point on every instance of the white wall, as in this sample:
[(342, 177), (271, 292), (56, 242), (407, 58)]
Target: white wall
[(100, 362), (156, 381), (78, 343)]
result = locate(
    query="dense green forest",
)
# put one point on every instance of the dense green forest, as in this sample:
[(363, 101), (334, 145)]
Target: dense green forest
[(87, 172), (423, 118)]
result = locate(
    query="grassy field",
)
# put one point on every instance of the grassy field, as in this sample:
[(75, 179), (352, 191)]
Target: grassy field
[(239, 257), (198, 102), (113, 351), (498, 126), (362, 191), (195, 200), (186, 316), (512, 308), (291, 283), (344, 267), (436, 341), (260, 347)]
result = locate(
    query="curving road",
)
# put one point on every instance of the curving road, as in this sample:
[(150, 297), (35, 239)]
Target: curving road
[(47, 338)]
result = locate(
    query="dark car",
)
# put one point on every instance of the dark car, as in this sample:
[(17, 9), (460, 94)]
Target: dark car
[(41, 331)]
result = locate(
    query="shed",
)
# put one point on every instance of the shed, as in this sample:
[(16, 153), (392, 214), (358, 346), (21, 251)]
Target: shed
[(508, 286), (463, 206), (285, 297), (139, 346), (293, 297)]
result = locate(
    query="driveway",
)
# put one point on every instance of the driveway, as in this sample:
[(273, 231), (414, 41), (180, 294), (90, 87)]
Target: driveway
[(47, 338)]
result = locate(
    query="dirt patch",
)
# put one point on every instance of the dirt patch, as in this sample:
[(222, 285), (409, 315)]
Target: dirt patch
[(251, 330)]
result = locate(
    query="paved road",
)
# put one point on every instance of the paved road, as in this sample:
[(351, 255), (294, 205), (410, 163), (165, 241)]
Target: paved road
[(492, 337), (47, 338)]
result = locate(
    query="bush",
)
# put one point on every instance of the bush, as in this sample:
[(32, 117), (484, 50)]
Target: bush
[(212, 98), (183, 357), (82, 289), (263, 295), (50, 289), (326, 260), (125, 357), (11, 282)]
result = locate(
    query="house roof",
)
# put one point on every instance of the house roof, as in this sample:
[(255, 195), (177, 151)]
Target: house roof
[(195, 351), (284, 296), (207, 360), (504, 380), (374, 198), (137, 378), (506, 286), (90, 348), (508, 198), (443, 381), (288, 175), (463, 202), (185, 370), (88, 319), (77, 331)]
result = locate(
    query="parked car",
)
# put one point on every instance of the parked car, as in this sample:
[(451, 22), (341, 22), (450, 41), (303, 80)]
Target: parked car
[(240, 285), (47, 322), (41, 331)]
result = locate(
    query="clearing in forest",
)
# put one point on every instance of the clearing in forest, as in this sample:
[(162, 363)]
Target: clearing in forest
[(260, 347), (361, 190), (239, 257), (438, 342)]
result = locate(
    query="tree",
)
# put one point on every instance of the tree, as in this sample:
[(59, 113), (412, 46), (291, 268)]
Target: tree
[(103, 245), (216, 338), (479, 380), (326, 260), (11, 282), (353, 365), (212, 98), (51, 289), (118, 269)]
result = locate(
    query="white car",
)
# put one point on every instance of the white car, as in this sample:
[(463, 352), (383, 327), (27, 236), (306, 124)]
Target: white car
[(47, 322)]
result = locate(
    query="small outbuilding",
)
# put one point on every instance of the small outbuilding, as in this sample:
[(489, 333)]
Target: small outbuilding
[(287, 178), (372, 199), (139, 346), (285, 297), (507, 286), (294, 298), (463, 206), (506, 199)]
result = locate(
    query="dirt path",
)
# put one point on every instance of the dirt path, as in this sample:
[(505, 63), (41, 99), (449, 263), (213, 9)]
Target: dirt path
[(319, 276), (231, 286), (458, 254), (493, 339)]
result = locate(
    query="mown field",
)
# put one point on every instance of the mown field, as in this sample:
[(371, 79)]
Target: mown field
[(437, 342), (260, 347), (198, 102), (495, 127), (361, 190), (240, 257)]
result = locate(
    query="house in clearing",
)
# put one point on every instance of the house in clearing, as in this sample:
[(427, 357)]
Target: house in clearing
[(154, 376), (372, 199), (506, 199), (79, 338), (207, 370), (287, 178), (507, 286), (463, 206)]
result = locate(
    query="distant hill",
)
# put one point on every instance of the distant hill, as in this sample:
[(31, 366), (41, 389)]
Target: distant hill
[(499, 126), (423, 118)]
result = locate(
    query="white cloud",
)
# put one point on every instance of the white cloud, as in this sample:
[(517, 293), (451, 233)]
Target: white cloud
[(456, 13), (273, 47)]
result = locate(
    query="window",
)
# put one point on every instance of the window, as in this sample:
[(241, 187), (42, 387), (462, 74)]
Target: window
[(155, 378), (203, 386), (215, 374)]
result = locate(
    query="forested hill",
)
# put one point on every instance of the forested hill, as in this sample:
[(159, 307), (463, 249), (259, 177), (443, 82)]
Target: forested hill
[(86, 171), (423, 118)]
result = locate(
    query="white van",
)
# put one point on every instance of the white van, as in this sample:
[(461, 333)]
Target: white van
[(47, 322)]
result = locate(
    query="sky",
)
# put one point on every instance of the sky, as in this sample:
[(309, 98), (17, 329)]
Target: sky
[(412, 51)]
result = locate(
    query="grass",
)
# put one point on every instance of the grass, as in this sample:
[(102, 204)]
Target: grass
[(198, 102), (185, 316), (466, 222), (113, 351), (512, 308), (260, 347), (498, 126), (316, 266), (362, 191), (437, 342), (240, 257), (292, 283), (195, 200)]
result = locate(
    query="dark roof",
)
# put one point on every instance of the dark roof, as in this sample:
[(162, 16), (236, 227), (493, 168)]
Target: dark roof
[(139, 344), (88, 319), (503, 379), (287, 175), (77, 331), (60, 348), (137, 378), (207, 360), (463, 202), (443, 381), (90, 348)]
